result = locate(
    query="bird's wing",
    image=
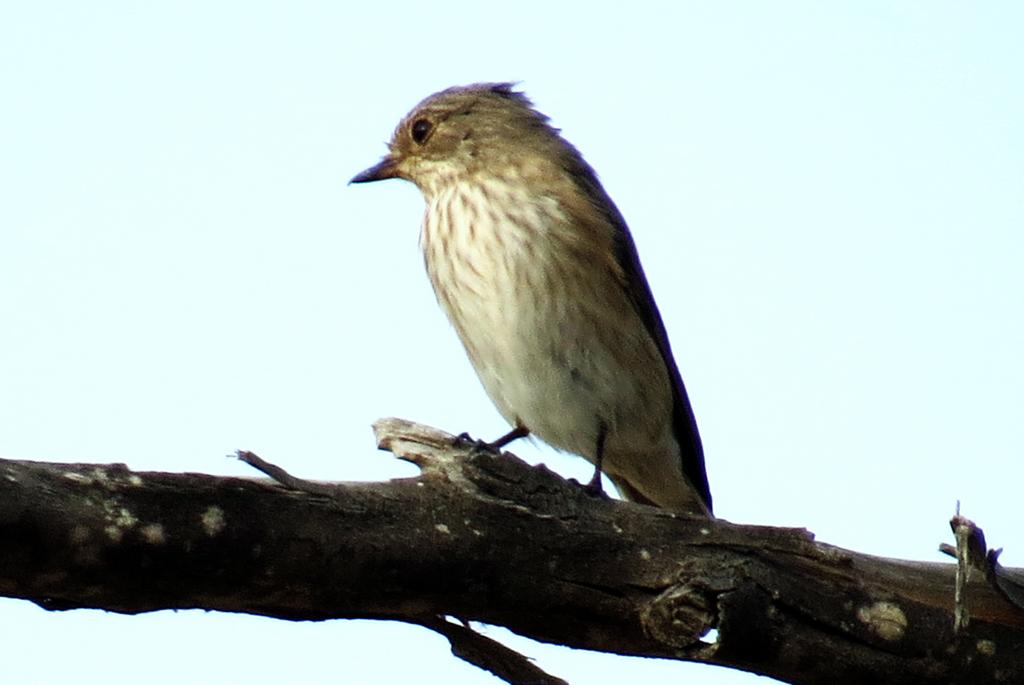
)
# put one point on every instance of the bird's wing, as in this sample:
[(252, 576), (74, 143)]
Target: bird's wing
[(684, 423), (631, 275)]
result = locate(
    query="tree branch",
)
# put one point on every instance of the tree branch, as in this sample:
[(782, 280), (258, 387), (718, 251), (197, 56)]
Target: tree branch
[(485, 537)]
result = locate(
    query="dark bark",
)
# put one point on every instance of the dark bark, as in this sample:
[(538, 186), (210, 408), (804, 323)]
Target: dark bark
[(484, 537)]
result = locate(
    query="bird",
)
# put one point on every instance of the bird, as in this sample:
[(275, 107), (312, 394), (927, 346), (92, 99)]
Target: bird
[(538, 273)]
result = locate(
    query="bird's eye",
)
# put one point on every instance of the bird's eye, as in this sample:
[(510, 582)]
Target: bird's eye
[(421, 128)]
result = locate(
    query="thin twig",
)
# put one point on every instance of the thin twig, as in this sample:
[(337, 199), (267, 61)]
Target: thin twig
[(970, 553), (492, 656), (286, 479)]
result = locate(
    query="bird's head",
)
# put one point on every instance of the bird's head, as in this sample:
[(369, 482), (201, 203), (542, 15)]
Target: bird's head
[(460, 133)]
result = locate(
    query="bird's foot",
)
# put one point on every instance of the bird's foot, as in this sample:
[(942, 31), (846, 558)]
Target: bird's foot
[(464, 440), (514, 434), (595, 488), (467, 441)]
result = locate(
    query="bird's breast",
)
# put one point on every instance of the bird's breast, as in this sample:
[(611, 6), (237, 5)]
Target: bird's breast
[(484, 249), (551, 333)]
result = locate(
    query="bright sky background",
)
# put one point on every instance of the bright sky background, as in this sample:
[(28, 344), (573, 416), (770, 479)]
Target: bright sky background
[(828, 199)]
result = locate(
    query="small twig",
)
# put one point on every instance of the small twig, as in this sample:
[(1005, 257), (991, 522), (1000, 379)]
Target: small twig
[(491, 656), (286, 479), (970, 553)]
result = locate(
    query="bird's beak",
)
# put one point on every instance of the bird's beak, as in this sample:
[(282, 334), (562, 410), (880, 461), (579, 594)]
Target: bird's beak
[(384, 169)]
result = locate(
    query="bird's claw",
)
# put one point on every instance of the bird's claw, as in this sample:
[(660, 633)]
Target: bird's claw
[(595, 488), (464, 439)]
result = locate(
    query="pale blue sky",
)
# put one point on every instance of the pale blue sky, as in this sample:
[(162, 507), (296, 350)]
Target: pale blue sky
[(828, 199)]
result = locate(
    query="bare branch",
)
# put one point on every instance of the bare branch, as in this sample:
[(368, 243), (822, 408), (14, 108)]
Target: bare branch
[(485, 537)]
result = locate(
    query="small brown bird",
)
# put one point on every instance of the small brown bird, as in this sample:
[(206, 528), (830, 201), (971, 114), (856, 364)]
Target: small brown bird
[(538, 273)]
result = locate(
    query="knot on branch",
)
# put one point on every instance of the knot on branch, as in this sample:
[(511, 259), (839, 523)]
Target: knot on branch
[(678, 617)]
